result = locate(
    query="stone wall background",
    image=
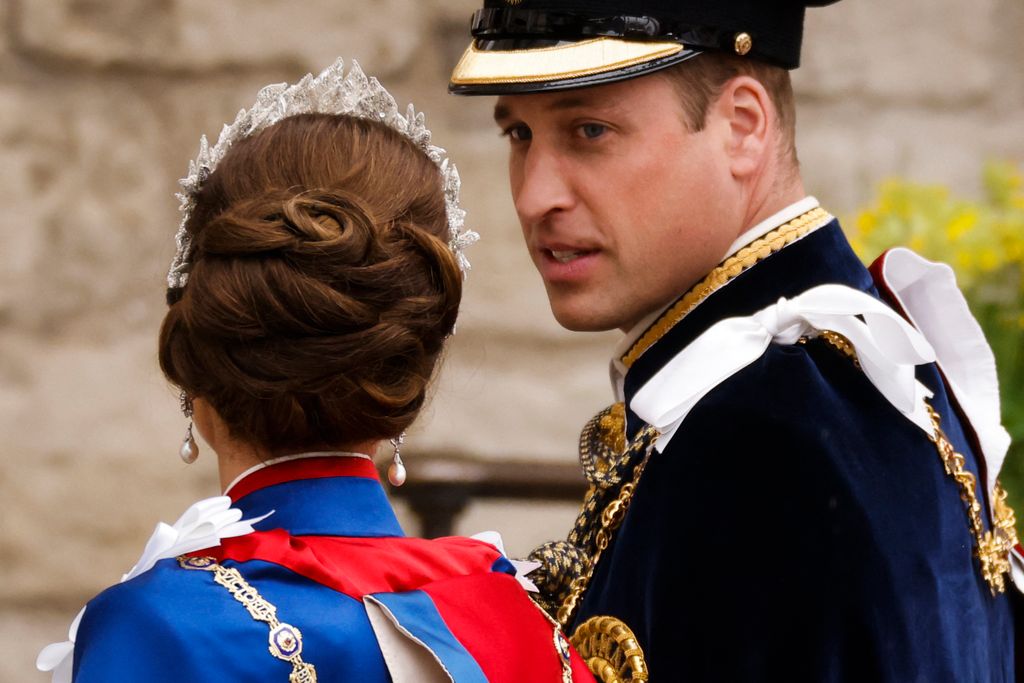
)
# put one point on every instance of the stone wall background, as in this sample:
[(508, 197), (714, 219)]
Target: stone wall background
[(101, 106)]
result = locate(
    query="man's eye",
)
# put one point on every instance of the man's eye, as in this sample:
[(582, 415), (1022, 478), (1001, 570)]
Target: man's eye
[(593, 130), (518, 133)]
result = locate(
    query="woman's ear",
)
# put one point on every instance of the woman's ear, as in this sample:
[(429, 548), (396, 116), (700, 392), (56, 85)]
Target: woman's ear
[(748, 119)]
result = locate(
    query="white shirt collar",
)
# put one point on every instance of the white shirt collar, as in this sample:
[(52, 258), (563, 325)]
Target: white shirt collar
[(617, 370), (295, 456)]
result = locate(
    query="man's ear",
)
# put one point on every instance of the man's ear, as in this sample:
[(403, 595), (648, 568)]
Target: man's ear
[(748, 119)]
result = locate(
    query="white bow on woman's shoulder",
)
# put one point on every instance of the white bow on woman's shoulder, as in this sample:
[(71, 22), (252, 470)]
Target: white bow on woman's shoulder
[(202, 526)]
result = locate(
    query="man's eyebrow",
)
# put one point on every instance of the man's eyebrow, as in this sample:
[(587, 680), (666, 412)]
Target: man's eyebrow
[(503, 112), (570, 102)]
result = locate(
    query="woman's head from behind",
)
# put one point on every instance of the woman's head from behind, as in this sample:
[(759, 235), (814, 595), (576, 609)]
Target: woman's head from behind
[(321, 286)]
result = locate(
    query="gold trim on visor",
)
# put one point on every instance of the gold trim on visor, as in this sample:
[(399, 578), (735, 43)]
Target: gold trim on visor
[(583, 58)]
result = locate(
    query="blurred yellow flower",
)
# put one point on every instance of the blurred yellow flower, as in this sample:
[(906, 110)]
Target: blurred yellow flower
[(867, 221), (961, 225), (988, 260)]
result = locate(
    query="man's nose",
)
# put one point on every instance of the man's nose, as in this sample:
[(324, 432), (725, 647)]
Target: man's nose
[(544, 187)]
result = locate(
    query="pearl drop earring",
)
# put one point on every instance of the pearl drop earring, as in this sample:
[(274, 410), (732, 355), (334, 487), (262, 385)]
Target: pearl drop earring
[(189, 451), (396, 471)]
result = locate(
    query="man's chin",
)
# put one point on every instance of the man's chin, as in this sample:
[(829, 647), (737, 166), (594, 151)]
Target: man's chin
[(584, 319)]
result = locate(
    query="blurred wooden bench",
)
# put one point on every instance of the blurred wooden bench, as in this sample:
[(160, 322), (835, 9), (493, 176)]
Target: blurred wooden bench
[(440, 486)]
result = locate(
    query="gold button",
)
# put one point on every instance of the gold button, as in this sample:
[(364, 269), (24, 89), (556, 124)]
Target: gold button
[(743, 43)]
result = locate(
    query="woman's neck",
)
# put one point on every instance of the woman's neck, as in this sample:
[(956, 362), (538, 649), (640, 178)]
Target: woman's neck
[(235, 456)]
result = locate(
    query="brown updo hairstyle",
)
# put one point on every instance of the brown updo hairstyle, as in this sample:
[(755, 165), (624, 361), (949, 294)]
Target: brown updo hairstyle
[(321, 287)]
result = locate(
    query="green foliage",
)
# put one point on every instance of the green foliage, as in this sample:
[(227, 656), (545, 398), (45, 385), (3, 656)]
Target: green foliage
[(984, 242)]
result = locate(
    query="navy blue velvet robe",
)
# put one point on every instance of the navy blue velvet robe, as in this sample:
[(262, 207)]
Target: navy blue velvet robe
[(797, 527)]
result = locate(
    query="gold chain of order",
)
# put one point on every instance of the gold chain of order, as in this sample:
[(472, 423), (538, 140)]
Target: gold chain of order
[(611, 518), (562, 646), (285, 640), (744, 259), (992, 548)]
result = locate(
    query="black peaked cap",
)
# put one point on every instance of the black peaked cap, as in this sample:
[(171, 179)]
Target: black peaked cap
[(540, 45)]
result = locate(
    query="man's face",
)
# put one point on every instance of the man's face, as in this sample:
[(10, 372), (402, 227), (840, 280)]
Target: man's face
[(621, 206)]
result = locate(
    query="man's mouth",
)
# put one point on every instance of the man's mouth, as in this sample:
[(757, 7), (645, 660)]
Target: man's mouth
[(564, 263), (566, 256)]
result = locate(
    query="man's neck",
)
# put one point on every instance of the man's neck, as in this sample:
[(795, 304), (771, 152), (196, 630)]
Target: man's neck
[(768, 198), (782, 215), (766, 204)]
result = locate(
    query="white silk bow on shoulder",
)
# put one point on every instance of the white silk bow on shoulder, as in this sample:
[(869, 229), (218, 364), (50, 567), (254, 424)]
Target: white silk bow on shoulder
[(927, 292), (202, 526), (887, 346)]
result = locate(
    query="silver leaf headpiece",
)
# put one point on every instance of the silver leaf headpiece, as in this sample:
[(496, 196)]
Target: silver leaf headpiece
[(332, 92)]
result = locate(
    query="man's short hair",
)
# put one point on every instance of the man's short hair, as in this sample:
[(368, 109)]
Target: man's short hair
[(700, 80)]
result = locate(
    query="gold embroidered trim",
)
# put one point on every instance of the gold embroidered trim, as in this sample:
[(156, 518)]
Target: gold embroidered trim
[(745, 258), (992, 548), (836, 341), (611, 650), (285, 640)]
